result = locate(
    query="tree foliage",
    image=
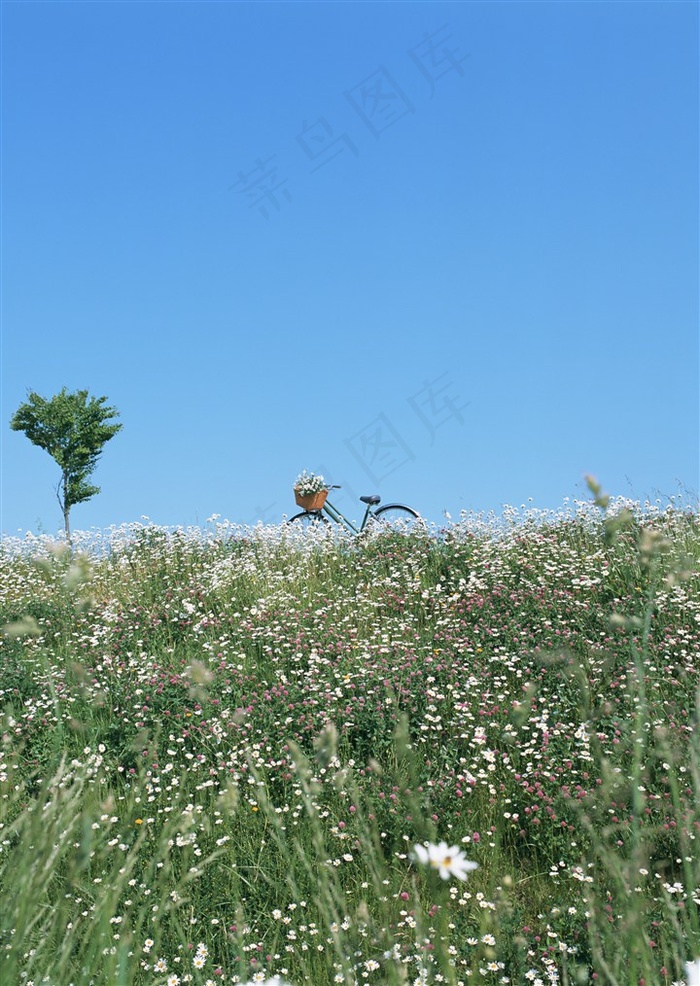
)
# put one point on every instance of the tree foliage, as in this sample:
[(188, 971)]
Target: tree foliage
[(73, 428)]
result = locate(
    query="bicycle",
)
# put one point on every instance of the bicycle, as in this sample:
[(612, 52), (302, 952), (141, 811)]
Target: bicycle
[(396, 515)]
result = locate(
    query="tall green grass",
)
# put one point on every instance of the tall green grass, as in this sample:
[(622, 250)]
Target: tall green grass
[(219, 750)]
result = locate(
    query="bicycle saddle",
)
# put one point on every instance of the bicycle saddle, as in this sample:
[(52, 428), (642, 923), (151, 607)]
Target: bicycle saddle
[(371, 499)]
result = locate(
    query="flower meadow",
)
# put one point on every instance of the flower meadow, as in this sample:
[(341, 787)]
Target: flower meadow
[(263, 755)]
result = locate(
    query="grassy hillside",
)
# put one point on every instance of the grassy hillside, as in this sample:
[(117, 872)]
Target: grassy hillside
[(220, 748)]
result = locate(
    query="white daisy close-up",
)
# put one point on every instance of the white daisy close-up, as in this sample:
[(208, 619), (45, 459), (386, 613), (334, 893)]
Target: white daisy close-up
[(447, 860), (692, 971)]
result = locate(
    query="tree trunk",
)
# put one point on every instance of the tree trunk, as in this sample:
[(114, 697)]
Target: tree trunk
[(65, 506)]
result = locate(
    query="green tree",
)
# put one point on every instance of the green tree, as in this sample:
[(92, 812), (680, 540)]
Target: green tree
[(72, 428)]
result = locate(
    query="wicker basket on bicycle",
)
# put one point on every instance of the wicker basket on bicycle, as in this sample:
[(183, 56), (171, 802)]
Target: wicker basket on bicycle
[(311, 501)]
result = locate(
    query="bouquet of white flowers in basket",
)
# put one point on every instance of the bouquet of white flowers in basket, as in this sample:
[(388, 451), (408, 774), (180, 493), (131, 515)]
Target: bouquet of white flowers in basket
[(310, 490)]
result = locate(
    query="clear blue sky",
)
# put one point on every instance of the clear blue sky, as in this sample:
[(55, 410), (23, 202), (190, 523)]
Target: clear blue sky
[(444, 252)]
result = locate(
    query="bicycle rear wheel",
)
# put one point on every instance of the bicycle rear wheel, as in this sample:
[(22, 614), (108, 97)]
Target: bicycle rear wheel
[(396, 517), (310, 519)]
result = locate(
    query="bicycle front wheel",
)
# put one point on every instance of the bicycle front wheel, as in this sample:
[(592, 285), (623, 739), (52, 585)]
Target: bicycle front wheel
[(312, 520), (396, 517)]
